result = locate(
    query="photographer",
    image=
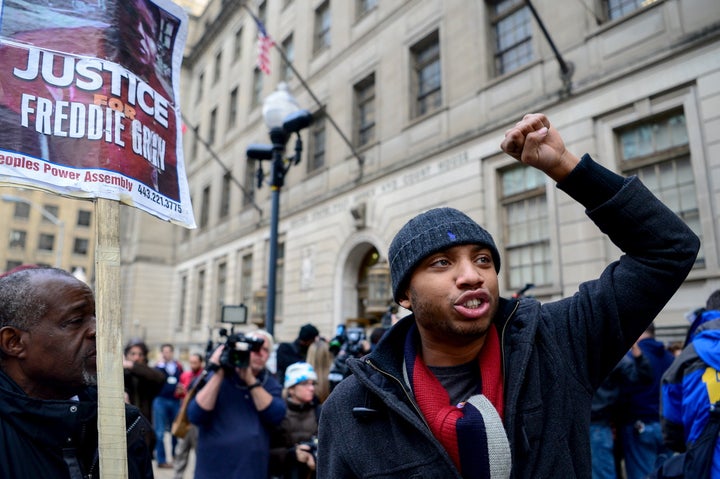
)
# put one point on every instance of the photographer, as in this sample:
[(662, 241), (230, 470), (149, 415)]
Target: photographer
[(236, 410), (350, 343), (293, 446)]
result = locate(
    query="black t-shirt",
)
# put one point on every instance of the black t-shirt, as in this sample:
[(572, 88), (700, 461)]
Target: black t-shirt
[(461, 381)]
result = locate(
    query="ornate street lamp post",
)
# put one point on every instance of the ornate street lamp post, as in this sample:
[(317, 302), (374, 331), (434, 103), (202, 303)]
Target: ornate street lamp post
[(283, 117)]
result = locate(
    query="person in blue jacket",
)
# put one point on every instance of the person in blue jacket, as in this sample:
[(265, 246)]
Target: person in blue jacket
[(692, 384), (632, 368), (166, 404), (475, 385), (235, 413), (639, 412)]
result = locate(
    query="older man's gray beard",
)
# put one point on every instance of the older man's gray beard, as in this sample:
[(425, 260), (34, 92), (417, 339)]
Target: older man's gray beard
[(89, 379)]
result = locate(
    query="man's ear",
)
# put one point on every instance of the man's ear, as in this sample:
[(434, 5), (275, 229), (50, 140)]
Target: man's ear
[(11, 342), (405, 302)]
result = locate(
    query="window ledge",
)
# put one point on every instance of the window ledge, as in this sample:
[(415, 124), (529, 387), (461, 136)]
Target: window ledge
[(506, 76), (419, 119)]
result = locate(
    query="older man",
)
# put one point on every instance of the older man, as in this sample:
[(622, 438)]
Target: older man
[(48, 399)]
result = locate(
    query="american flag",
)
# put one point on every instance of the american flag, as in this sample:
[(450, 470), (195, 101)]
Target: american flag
[(264, 45)]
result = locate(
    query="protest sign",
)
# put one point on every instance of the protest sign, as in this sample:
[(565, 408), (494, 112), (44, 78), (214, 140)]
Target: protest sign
[(89, 101)]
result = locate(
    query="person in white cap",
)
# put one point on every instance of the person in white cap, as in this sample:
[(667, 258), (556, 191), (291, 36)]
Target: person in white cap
[(293, 445)]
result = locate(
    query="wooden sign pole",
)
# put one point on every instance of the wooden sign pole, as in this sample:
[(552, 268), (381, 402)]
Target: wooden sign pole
[(112, 442)]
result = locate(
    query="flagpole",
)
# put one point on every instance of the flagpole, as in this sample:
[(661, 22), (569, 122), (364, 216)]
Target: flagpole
[(215, 157), (360, 159)]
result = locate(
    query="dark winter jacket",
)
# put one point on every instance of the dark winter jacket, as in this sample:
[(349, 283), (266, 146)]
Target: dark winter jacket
[(142, 384), (59, 439), (641, 402), (299, 426), (554, 354), (287, 354), (604, 408)]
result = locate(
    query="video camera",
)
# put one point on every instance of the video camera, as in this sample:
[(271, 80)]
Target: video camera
[(237, 349), (348, 341), (237, 346), (348, 344)]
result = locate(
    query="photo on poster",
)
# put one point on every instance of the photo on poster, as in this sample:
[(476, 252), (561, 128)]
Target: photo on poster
[(89, 101)]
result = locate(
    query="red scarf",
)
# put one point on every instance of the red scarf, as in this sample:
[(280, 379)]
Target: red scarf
[(449, 422)]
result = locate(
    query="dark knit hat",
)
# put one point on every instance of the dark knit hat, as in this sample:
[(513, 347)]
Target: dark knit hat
[(308, 333), (429, 232)]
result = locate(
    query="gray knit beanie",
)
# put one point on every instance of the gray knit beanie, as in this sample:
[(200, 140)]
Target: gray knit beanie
[(429, 232)]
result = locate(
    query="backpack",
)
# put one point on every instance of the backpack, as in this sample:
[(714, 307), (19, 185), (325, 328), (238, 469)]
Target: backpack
[(696, 462)]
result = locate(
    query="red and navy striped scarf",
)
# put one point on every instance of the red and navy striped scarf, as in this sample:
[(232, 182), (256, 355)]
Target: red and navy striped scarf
[(471, 432)]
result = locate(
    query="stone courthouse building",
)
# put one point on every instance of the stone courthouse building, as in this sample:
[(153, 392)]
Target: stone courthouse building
[(411, 99)]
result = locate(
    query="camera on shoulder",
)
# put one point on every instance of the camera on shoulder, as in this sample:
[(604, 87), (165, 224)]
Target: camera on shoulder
[(237, 346), (237, 350)]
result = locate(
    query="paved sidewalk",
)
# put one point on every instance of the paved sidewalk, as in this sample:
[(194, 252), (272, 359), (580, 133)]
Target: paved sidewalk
[(169, 473)]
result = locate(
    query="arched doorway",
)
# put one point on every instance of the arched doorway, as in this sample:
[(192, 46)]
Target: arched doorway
[(366, 286)]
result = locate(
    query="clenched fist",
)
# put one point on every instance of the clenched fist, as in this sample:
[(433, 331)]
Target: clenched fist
[(535, 142)]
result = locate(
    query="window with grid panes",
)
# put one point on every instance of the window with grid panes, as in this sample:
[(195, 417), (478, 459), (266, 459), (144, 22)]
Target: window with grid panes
[(17, 239), (257, 88), (248, 196), (246, 293), (225, 195), (199, 299), (237, 44), (205, 207), (220, 287), (365, 110), (84, 217), (526, 233), (657, 150), (619, 8), (53, 210), (22, 210), (80, 246), (213, 126), (289, 49), (183, 298), (233, 107), (322, 27), (46, 242), (262, 12), (427, 75), (201, 80), (218, 67), (512, 28), (316, 158), (364, 6)]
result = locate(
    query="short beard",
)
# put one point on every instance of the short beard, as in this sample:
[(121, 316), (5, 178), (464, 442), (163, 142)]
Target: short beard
[(430, 314)]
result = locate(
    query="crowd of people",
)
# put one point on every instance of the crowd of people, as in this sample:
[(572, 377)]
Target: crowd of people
[(626, 434), (238, 405), (468, 385)]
